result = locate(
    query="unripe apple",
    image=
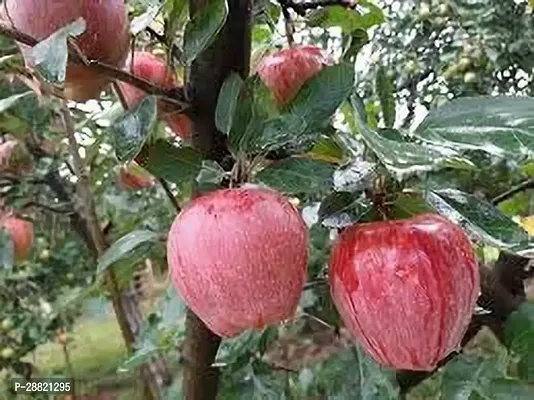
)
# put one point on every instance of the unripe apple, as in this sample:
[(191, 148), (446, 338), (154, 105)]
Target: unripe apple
[(239, 257), (405, 289), (424, 12), (134, 177), (21, 234), (154, 69), (470, 77), (106, 38), (284, 72), (7, 352), (411, 67), (7, 324), (44, 256), (14, 157), (463, 64)]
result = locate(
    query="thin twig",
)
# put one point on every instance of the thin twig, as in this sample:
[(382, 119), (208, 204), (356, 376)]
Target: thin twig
[(175, 95), (528, 184), (171, 196), (301, 7)]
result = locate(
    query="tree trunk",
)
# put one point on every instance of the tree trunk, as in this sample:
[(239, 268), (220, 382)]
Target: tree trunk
[(230, 52)]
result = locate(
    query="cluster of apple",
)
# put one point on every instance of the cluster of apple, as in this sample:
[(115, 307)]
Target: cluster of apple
[(404, 289)]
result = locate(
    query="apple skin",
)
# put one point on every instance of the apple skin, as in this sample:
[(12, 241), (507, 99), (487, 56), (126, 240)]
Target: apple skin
[(405, 289), (238, 257), (154, 69), (21, 233), (106, 38), (285, 71)]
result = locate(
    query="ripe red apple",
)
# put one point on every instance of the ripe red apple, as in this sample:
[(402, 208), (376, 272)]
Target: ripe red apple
[(106, 38), (284, 72), (153, 69), (133, 177), (405, 289), (239, 258), (21, 234), (14, 157)]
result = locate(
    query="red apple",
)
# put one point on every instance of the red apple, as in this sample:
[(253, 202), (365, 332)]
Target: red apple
[(21, 234), (106, 38), (133, 177), (284, 72), (153, 69), (14, 157), (239, 258), (405, 289)]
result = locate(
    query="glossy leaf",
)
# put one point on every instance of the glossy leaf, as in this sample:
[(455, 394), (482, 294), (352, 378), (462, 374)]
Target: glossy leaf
[(479, 218), (202, 28), (173, 163), (501, 126), (227, 102), (298, 175), (132, 130), (400, 157), (519, 337), (354, 177), (309, 111), (50, 55), (134, 243), (342, 209)]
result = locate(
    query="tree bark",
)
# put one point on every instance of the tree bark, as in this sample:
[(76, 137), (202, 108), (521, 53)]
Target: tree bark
[(230, 52)]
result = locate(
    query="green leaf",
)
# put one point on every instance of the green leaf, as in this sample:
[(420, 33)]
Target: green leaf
[(227, 102), (468, 375), (367, 16), (140, 357), (478, 217), (134, 243), (298, 175), (50, 55), (310, 110), (519, 338), (501, 126), (201, 30), (7, 252), (399, 157), (506, 389), (367, 380), (237, 351), (356, 41), (11, 101), (173, 163), (342, 209), (256, 105), (385, 89), (132, 130)]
